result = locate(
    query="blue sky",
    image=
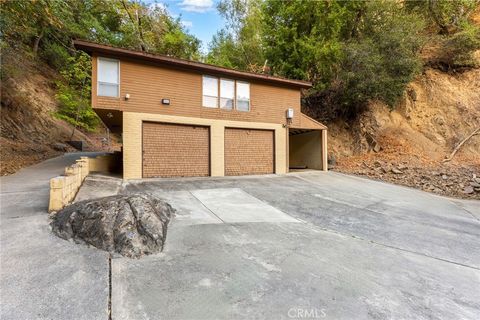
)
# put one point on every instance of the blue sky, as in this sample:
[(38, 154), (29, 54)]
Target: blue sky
[(200, 17)]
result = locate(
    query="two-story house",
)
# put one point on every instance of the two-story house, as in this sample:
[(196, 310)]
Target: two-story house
[(184, 118)]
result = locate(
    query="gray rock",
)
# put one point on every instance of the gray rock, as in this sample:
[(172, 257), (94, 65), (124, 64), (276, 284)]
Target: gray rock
[(396, 171), (332, 161), (132, 225), (60, 147), (468, 190), (475, 185), (378, 163)]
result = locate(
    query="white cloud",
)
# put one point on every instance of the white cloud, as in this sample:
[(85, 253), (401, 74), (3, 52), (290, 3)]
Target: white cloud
[(196, 5), (186, 23)]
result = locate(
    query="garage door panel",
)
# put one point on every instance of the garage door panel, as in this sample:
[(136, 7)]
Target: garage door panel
[(175, 150), (248, 151)]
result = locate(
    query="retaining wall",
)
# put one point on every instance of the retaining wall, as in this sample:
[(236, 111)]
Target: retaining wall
[(63, 189)]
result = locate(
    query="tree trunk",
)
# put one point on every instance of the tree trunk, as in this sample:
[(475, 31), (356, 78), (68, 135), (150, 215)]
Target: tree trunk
[(36, 43)]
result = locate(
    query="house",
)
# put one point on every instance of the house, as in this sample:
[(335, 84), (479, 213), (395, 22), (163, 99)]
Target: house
[(184, 118)]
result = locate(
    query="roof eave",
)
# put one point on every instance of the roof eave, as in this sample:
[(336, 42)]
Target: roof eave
[(91, 47)]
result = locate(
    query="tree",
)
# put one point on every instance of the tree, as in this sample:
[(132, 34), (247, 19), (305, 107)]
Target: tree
[(48, 27), (239, 45), (448, 16), (303, 39), (29, 21), (354, 51)]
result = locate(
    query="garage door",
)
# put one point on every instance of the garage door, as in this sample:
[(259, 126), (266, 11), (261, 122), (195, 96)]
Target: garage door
[(248, 151), (175, 150)]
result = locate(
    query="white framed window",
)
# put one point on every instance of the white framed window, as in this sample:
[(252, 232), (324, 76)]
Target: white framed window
[(210, 92), (243, 96), (227, 93), (108, 77)]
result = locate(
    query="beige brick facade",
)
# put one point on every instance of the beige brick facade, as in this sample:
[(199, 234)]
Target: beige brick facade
[(132, 140), (248, 151), (172, 150)]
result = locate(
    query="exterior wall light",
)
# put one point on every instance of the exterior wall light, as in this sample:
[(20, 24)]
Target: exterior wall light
[(166, 102), (289, 114), (127, 96)]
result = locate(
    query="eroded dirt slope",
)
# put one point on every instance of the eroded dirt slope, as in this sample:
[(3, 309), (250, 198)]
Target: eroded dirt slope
[(29, 133), (407, 145)]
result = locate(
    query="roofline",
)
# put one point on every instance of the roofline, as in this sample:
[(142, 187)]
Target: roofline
[(92, 47)]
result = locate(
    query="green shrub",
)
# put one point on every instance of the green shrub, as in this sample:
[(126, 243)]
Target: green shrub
[(75, 109), (460, 47), (73, 93), (55, 55)]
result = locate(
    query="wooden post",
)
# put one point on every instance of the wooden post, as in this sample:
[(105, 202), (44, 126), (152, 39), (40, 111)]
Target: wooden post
[(288, 149), (324, 151)]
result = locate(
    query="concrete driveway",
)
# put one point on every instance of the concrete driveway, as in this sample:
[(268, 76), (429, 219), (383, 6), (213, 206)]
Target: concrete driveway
[(307, 245), (42, 276)]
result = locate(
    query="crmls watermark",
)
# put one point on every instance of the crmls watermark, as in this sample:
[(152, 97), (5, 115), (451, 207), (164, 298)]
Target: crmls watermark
[(306, 313)]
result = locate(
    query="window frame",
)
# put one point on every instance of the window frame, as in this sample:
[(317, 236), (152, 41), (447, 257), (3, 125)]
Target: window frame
[(234, 100), (110, 83), (218, 92), (236, 96)]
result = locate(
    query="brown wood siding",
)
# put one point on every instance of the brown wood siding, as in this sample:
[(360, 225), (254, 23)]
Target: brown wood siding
[(173, 150), (248, 151), (148, 84)]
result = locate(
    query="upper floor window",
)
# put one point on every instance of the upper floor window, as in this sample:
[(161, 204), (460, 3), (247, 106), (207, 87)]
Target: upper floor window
[(210, 92), (233, 94), (227, 93), (108, 77), (243, 96)]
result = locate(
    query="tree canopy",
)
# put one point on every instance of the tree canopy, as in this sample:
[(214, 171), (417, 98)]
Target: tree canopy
[(45, 29), (352, 51)]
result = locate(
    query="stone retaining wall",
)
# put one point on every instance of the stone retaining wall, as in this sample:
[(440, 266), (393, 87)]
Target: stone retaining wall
[(63, 189)]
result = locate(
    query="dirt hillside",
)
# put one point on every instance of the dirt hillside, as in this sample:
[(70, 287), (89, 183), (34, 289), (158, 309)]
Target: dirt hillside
[(29, 133), (406, 145)]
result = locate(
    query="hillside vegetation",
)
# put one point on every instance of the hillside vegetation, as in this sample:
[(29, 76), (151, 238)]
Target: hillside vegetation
[(397, 82)]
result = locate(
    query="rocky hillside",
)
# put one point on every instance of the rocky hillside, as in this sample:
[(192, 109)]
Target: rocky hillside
[(407, 145)]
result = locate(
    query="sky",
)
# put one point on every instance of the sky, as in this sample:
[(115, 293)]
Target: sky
[(199, 17)]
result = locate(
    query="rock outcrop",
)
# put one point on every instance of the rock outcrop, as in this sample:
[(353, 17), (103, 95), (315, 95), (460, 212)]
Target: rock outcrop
[(131, 225)]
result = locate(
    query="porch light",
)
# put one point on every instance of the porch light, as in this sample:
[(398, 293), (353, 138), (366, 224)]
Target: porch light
[(289, 113)]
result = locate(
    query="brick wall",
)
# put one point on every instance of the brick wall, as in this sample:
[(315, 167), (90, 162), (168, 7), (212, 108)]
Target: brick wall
[(132, 140), (171, 150), (248, 151)]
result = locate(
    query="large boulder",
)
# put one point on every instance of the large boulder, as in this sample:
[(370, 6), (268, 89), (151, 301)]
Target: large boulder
[(132, 225)]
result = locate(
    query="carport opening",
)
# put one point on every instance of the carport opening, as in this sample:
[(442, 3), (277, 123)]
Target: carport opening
[(113, 120), (305, 149)]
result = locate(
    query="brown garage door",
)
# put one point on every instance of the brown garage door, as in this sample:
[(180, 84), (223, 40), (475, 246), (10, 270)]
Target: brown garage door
[(175, 150), (248, 151)]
